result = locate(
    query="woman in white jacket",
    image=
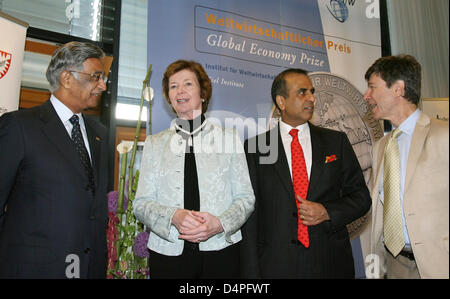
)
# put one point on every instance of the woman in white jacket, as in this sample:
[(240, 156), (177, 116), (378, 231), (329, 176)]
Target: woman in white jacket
[(194, 191)]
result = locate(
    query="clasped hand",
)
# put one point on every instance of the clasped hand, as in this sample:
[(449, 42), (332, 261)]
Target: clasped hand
[(312, 213), (196, 226)]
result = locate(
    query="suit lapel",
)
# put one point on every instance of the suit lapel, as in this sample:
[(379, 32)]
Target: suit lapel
[(317, 159), (282, 166), (94, 146), (379, 159), (55, 131), (418, 139)]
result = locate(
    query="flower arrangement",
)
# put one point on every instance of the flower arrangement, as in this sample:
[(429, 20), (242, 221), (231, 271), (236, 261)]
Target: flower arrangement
[(126, 237)]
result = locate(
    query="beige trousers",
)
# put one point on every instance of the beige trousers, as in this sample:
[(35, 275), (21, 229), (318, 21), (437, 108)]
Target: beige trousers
[(401, 267)]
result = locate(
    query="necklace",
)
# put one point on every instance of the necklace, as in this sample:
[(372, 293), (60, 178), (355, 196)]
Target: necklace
[(190, 134)]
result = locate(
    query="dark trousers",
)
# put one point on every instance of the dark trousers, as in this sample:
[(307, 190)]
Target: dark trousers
[(196, 264)]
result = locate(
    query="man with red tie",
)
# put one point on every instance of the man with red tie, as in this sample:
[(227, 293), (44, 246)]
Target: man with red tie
[(308, 186)]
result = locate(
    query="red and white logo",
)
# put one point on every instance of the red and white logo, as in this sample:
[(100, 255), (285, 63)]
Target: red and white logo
[(5, 63)]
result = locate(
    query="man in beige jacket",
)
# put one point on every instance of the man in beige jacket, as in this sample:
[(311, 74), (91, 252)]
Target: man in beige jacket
[(419, 247)]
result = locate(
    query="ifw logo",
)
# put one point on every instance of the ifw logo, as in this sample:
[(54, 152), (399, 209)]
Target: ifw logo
[(5, 63), (339, 9)]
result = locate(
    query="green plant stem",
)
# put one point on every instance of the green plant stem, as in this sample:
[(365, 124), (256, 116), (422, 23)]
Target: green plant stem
[(120, 210), (145, 83)]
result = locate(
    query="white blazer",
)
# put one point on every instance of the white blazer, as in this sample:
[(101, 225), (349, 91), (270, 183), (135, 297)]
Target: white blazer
[(223, 180)]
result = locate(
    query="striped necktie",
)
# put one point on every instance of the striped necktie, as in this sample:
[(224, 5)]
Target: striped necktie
[(392, 210)]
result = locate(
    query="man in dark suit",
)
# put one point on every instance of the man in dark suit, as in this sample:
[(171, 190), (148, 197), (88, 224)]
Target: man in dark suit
[(308, 186), (53, 206)]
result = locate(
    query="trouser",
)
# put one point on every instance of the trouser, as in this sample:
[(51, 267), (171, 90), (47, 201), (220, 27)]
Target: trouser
[(401, 267), (196, 264)]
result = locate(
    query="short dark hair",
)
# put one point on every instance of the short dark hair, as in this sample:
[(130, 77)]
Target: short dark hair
[(200, 73), (70, 56), (279, 84), (400, 67)]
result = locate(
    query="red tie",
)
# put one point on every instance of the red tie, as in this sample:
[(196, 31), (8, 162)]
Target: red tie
[(300, 182)]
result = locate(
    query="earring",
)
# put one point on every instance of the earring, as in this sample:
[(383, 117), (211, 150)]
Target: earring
[(203, 100)]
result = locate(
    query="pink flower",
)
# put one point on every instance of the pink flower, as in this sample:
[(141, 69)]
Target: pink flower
[(112, 237), (113, 198), (140, 245)]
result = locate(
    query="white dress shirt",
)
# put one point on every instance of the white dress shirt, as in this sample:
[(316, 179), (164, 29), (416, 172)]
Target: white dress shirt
[(304, 138), (65, 114)]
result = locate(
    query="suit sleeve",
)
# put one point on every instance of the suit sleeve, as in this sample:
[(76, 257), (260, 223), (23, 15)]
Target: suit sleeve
[(249, 251), (11, 155), (354, 200)]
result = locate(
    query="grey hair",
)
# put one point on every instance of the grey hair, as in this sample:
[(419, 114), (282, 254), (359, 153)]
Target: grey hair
[(70, 56)]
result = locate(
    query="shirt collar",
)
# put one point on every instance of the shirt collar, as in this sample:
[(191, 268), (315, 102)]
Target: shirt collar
[(63, 111), (303, 130), (409, 124)]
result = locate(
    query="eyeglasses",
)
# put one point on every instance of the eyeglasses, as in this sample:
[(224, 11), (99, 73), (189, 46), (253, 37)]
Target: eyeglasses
[(94, 77)]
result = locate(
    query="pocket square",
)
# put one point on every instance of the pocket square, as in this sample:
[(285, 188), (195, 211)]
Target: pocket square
[(330, 158), (97, 138)]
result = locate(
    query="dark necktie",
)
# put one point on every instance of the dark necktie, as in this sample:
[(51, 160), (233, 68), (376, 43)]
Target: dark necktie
[(77, 138), (300, 182)]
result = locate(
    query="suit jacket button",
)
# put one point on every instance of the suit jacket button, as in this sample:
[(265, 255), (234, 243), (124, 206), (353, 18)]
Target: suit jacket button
[(87, 250), (92, 217), (294, 214)]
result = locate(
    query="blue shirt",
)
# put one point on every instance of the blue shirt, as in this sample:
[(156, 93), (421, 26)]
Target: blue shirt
[(404, 144)]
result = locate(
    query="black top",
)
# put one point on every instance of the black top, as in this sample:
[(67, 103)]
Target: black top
[(191, 191)]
